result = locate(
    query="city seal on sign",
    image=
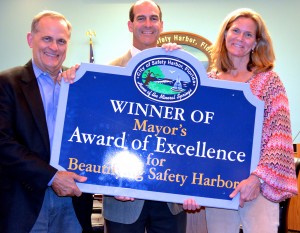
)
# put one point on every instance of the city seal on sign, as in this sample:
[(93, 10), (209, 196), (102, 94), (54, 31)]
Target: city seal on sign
[(166, 79)]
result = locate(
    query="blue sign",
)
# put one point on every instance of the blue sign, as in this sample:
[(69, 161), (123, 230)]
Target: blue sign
[(158, 129)]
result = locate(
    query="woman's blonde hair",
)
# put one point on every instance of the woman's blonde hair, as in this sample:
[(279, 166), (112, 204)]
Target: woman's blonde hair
[(262, 58)]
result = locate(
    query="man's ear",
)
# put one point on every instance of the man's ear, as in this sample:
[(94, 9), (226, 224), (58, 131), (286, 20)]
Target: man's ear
[(162, 26), (130, 26), (29, 39)]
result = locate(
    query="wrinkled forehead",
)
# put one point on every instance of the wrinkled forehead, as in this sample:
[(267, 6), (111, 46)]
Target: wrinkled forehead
[(53, 25)]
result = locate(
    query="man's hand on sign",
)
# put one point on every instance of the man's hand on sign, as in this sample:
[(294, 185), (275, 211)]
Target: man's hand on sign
[(122, 198), (190, 205), (69, 74)]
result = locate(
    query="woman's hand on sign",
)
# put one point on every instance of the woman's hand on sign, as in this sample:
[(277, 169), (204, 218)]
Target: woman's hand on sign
[(249, 189)]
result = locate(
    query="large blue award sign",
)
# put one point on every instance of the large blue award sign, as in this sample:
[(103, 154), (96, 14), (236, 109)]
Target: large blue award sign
[(158, 129)]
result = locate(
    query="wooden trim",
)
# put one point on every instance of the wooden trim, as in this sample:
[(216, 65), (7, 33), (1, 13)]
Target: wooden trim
[(187, 38)]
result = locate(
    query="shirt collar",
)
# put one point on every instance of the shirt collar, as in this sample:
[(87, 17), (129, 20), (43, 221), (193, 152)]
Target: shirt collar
[(134, 51), (37, 71)]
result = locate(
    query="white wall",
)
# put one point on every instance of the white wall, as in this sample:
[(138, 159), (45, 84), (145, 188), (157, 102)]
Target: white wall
[(109, 19)]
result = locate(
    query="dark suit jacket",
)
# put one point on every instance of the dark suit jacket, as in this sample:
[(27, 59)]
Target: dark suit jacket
[(24, 150)]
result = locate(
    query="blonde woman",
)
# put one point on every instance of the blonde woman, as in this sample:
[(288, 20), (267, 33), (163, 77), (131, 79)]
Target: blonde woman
[(243, 52)]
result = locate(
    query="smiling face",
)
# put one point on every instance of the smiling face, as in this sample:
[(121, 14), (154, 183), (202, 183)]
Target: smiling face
[(240, 38), (49, 44), (146, 26)]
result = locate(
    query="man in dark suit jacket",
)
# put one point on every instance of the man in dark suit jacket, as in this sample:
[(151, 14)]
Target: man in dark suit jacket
[(30, 187)]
